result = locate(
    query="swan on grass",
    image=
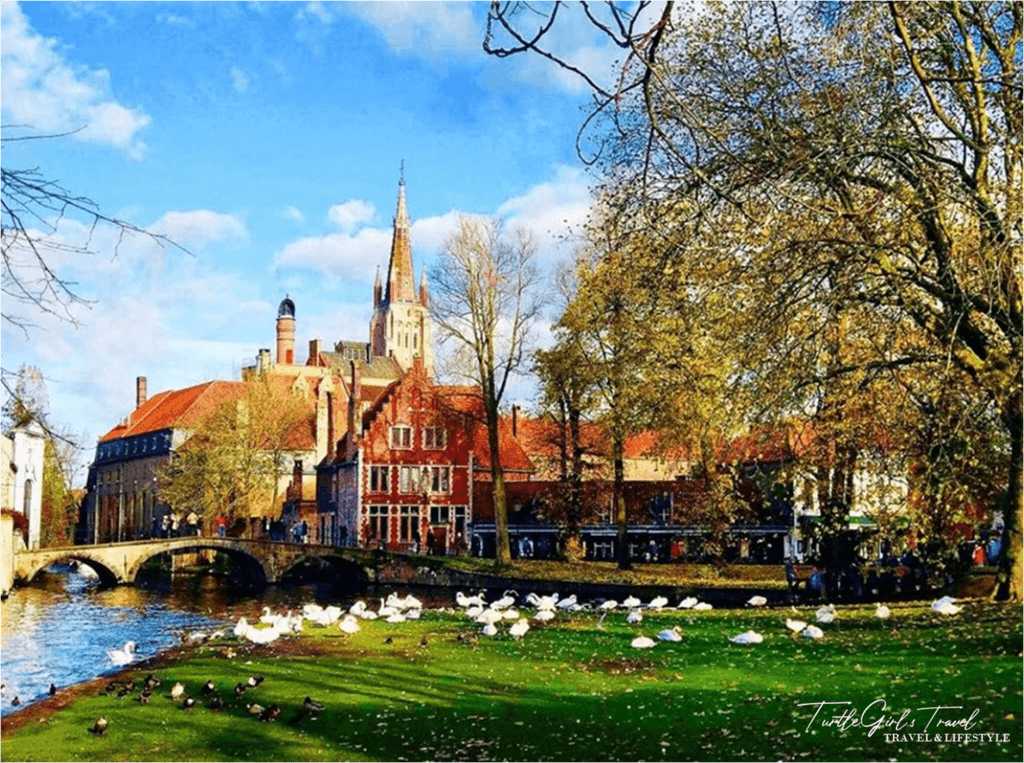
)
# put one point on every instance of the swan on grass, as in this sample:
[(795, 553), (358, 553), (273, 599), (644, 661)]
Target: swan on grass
[(658, 602), (643, 642), (675, 633), (702, 606), (631, 602), (349, 624), (756, 601), (795, 625), (826, 614), (634, 617), (519, 628), (946, 606), (813, 631), (882, 612), (688, 603), (543, 615), (124, 655), (490, 630), (748, 637)]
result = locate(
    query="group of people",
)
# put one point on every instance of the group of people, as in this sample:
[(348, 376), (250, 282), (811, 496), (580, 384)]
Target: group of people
[(171, 525)]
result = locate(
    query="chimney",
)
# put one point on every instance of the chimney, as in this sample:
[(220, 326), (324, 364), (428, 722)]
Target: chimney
[(263, 361), (314, 353), (515, 420), (140, 391), (354, 420)]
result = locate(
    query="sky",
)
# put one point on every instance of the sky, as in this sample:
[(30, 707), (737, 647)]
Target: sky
[(267, 139)]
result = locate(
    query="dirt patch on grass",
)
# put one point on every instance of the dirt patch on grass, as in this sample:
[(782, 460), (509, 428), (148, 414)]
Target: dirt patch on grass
[(621, 666)]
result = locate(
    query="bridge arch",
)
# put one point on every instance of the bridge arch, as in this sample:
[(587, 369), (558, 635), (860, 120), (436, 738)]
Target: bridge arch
[(255, 566), (344, 566), (107, 575)]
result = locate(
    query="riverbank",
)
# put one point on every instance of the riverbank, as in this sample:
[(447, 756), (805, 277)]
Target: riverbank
[(571, 689)]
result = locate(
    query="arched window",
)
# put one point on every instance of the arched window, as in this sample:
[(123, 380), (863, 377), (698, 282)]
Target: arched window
[(27, 507)]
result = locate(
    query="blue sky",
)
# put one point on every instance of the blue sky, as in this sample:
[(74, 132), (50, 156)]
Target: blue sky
[(267, 139)]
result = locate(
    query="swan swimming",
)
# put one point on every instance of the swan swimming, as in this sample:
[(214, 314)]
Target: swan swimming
[(124, 655)]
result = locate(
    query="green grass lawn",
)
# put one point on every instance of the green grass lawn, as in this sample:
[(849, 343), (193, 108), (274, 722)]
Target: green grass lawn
[(571, 691)]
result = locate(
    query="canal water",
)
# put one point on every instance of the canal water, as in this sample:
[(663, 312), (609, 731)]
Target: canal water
[(58, 630)]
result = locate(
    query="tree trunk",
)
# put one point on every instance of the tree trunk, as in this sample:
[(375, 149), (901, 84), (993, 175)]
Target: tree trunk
[(1013, 555), (618, 491), (502, 552)]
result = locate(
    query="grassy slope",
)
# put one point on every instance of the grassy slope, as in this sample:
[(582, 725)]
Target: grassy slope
[(569, 691)]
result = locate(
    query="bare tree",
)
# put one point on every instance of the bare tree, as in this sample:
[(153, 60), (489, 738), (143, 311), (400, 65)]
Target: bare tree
[(484, 301), (33, 207)]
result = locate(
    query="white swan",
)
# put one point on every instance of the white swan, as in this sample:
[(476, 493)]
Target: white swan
[(124, 655), (519, 628), (268, 617), (395, 617), (643, 642), (349, 624), (946, 606), (631, 602), (510, 614), (756, 601), (658, 602), (882, 612), (702, 606), (826, 614), (634, 617), (241, 627), (675, 633), (568, 602), (813, 631), (490, 630), (688, 603), (748, 637), (608, 605), (544, 615), (795, 625)]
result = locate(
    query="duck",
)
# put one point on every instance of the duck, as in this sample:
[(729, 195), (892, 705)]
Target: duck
[(151, 681), (271, 714), (145, 695), (100, 727), (208, 689), (519, 628), (311, 706), (124, 655), (756, 601), (177, 690), (643, 642), (189, 703), (255, 680), (747, 637), (675, 633), (688, 603), (216, 703), (254, 709), (813, 631)]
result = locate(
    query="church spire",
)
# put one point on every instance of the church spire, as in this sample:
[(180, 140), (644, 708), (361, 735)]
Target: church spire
[(400, 286)]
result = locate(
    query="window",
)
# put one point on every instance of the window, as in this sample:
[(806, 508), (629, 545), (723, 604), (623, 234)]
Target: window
[(409, 479), (440, 478), (460, 521), (439, 515), (378, 522), (379, 479), (434, 438), (401, 437), (408, 523)]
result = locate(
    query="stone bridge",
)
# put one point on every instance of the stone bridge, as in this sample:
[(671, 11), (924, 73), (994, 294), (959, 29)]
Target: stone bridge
[(264, 561)]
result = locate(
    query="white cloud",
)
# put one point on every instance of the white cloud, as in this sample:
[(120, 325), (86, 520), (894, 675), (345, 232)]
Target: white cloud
[(423, 28), (239, 80), (47, 94), (351, 214), (554, 211), (199, 228), (315, 11), (294, 214), (338, 255)]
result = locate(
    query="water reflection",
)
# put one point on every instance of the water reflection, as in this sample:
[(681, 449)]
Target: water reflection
[(58, 630)]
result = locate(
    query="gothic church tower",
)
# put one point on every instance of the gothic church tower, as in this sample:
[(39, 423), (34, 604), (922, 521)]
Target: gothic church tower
[(400, 326)]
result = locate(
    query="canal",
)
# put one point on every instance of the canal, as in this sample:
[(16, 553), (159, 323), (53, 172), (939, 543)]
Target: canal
[(58, 630)]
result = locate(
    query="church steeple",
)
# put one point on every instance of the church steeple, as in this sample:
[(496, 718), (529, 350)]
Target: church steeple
[(400, 286)]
